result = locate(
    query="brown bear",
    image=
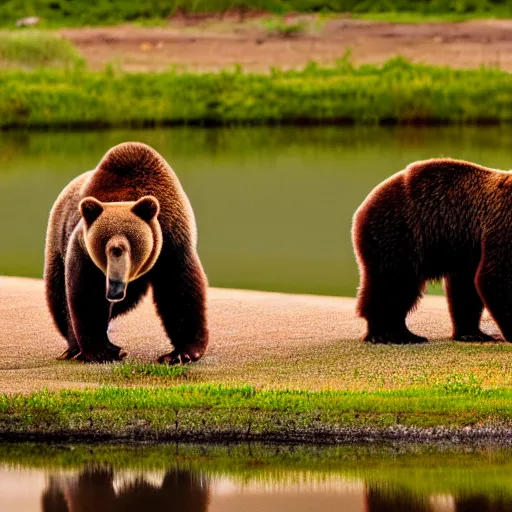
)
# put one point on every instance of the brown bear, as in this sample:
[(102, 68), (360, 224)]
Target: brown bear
[(114, 232), (436, 219)]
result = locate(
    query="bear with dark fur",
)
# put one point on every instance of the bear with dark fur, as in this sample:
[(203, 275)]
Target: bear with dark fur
[(438, 218), (113, 233)]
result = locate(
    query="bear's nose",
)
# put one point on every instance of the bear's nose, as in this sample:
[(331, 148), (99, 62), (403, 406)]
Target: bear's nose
[(116, 290)]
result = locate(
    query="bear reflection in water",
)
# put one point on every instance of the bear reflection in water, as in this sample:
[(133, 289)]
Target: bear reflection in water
[(184, 491), (93, 491), (400, 500)]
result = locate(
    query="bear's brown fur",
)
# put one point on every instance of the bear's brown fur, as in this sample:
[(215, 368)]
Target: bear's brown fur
[(124, 227), (438, 218)]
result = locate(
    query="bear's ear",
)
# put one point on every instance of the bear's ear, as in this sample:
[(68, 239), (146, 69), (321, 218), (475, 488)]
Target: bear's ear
[(90, 210), (146, 208)]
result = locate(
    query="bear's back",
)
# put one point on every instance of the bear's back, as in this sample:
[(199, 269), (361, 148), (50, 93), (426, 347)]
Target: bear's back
[(449, 204)]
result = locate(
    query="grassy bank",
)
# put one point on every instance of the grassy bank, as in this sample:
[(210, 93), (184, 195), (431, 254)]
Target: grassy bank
[(397, 92), (100, 12), (212, 412)]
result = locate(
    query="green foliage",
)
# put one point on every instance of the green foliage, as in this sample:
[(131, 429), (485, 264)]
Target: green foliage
[(462, 385), (397, 92), (280, 27), (34, 48), (100, 12)]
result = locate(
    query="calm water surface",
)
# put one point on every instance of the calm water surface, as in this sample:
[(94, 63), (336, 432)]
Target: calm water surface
[(346, 480), (273, 205)]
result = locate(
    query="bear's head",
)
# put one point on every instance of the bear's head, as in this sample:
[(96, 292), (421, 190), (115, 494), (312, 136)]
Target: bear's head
[(123, 239)]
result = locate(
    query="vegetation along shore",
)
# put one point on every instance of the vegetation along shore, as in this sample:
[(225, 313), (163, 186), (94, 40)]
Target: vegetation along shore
[(461, 413), (397, 92), (81, 12)]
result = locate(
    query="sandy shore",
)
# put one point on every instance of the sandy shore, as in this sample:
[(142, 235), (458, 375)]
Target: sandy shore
[(259, 337)]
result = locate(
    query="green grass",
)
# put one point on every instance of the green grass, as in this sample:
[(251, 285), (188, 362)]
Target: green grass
[(397, 92), (218, 412), (134, 370), (35, 48), (432, 17), (100, 12), (278, 26)]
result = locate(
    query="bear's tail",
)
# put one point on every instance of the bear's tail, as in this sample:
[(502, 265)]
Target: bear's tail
[(130, 159)]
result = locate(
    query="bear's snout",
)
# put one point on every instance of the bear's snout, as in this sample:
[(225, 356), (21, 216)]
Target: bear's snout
[(116, 290)]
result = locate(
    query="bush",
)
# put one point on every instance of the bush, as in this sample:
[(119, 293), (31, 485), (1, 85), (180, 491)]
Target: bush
[(33, 48)]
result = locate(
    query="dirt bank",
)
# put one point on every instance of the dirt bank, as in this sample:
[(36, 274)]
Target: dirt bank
[(210, 44)]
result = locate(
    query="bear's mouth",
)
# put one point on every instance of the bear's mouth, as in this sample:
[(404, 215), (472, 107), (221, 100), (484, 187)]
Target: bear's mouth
[(116, 290)]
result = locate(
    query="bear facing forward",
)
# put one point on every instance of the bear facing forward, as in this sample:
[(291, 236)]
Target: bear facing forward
[(114, 232), (438, 218)]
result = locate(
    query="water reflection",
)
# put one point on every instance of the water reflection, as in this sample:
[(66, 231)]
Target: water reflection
[(399, 499), (94, 490), (101, 488), (393, 499), (483, 504)]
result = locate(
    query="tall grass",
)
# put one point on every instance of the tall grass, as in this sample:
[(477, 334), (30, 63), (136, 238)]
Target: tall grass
[(397, 92), (98, 12), (35, 48)]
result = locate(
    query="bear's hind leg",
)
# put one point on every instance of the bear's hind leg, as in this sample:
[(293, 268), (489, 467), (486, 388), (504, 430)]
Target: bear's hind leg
[(492, 281), (179, 293), (55, 290), (466, 307), (385, 301)]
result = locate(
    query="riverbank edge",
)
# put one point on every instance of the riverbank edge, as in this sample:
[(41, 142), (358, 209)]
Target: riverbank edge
[(211, 413), (398, 92), (474, 436)]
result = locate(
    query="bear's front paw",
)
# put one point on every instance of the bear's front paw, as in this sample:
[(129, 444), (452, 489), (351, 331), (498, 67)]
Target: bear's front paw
[(180, 356), (478, 337), (69, 353), (100, 356), (405, 338)]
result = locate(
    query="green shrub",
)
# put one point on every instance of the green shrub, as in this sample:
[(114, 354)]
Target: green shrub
[(34, 48), (278, 26)]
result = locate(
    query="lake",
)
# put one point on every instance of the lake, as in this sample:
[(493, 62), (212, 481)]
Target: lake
[(273, 204), (251, 478)]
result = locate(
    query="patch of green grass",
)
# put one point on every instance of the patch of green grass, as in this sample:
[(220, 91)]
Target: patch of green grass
[(411, 17), (396, 92), (213, 411), (34, 48), (135, 370), (279, 26), (101, 12)]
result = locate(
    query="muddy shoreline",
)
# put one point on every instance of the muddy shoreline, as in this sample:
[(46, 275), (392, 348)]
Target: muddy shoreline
[(438, 436)]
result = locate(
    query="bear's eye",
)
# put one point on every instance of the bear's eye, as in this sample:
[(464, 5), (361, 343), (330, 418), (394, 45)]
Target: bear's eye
[(117, 252)]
